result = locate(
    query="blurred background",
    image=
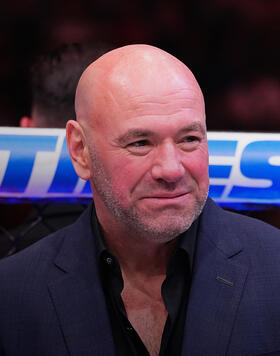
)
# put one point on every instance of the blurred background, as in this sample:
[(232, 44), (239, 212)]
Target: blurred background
[(232, 47)]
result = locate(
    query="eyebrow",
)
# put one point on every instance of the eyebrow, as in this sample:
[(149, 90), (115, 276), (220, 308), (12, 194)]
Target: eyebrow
[(196, 126), (132, 134)]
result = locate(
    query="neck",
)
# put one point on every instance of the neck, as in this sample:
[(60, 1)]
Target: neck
[(138, 254)]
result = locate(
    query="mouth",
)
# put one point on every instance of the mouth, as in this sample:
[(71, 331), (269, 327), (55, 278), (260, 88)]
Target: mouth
[(167, 195), (166, 198)]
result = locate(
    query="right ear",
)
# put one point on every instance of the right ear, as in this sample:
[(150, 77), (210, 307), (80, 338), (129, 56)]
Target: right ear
[(78, 149)]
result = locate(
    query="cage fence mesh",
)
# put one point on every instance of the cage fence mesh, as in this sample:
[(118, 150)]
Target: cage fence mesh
[(23, 224)]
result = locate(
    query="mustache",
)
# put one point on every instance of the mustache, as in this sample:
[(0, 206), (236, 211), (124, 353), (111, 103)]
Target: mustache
[(163, 188)]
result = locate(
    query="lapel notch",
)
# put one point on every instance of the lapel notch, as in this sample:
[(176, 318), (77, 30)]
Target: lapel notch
[(218, 282)]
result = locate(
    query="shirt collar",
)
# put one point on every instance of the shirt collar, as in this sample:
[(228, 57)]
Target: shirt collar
[(100, 243), (188, 240)]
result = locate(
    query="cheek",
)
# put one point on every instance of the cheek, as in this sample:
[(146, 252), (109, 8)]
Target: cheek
[(198, 167), (127, 172)]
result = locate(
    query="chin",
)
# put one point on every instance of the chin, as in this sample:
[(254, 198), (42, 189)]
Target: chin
[(164, 230), (167, 225)]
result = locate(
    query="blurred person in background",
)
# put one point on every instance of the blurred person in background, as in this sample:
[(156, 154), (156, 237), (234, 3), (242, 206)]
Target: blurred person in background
[(54, 77)]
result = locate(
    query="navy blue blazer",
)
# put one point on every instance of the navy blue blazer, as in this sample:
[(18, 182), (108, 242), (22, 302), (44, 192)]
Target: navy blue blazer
[(52, 303)]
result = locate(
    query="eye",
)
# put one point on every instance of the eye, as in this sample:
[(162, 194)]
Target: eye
[(189, 143), (190, 139), (140, 147), (140, 143)]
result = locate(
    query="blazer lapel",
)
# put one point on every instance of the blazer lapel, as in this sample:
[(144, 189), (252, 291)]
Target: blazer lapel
[(218, 281), (77, 294)]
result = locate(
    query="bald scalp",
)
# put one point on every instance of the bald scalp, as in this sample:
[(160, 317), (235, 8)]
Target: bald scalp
[(127, 72)]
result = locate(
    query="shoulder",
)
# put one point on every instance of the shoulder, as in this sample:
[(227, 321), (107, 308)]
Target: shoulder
[(38, 255), (251, 227), (218, 216), (45, 250), (25, 277), (252, 234)]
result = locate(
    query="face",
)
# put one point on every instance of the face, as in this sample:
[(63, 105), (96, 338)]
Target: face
[(149, 162)]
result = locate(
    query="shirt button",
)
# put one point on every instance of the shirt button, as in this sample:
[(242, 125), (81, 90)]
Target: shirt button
[(109, 260), (128, 328)]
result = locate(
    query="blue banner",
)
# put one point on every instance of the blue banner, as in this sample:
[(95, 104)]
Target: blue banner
[(244, 168)]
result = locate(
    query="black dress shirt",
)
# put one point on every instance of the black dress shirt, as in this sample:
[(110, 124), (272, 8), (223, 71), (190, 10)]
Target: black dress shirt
[(175, 291)]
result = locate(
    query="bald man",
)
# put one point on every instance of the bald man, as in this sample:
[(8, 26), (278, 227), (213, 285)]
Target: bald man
[(153, 267)]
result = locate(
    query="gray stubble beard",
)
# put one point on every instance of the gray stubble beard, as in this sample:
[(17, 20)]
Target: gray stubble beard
[(129, 217)]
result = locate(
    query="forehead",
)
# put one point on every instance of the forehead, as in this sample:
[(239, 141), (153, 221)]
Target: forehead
[(149, 97), (169, 114), (143, 91), (168, 101)]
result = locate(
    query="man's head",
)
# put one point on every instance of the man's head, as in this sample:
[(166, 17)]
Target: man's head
[(140, 137), (54, 78)]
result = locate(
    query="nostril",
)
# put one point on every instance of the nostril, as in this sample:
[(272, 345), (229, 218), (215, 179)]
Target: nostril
[(168, 173), (167, 186)]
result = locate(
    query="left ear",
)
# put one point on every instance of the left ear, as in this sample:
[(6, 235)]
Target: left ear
[(78, 149), (26, 121)]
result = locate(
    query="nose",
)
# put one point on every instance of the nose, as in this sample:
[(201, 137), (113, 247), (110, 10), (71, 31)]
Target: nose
[(167, 165)]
